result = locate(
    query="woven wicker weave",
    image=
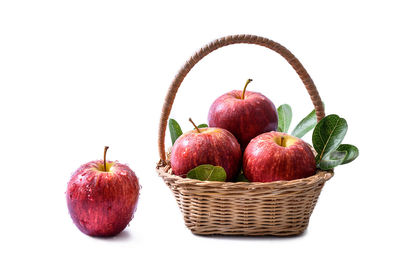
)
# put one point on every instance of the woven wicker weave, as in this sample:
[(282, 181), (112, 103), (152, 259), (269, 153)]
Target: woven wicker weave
[(278, 208)]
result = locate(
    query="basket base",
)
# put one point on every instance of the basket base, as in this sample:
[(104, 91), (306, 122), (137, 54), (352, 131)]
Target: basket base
[(265, 234), (271, 230)]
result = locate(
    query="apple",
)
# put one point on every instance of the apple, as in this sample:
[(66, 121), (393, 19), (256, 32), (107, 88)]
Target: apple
[(245, 114), (102, 197), (213, 146), (277, 156)]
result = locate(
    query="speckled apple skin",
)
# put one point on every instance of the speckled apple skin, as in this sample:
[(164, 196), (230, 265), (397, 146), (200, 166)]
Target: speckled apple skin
[(266, 161), (102, 203), (244, 118), (213, 146)]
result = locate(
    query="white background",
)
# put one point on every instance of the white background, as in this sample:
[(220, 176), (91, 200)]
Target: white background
[(78, 75)]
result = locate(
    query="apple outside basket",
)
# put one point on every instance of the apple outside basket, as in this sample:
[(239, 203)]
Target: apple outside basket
[(280, 208)]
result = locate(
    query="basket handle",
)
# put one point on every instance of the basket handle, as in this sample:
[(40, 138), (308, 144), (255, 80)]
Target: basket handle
[(225, 41)]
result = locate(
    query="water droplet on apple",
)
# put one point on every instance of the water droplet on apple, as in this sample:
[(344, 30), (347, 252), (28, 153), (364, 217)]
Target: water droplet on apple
[(123, 173)]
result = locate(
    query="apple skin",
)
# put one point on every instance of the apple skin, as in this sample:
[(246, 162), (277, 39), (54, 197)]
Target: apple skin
[(213, 146), (244, 118), (264, 160), (102, 203)]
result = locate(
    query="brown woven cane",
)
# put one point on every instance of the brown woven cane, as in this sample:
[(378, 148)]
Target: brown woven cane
[(278, 208)]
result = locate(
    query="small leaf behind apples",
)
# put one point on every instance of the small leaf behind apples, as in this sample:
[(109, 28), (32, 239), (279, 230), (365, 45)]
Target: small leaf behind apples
[(174, 130), (203, 125), (328, 134), (241, 178), (352, 152), (333, 159), (284, 118), (305, 125), (207, 172)]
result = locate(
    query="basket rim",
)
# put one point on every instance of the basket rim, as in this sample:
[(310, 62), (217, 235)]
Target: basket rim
[(164, 170)]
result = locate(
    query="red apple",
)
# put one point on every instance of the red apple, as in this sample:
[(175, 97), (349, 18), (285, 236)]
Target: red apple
[(245, 114), (277, 156), (213, 146), (102, 199)]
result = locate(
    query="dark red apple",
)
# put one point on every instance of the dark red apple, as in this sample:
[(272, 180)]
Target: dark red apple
[(245, 114), (213, 146), (277, 156), (102, 198)]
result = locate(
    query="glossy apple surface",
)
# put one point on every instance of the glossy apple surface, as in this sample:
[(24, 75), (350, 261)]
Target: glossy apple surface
[(213, 146), (245, 118), (102, 203), (277, 156)]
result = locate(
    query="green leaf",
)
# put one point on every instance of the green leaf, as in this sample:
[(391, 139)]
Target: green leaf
[(284, 117), (203, 125), (305, 125), (241, 178), (328, 134), (207, 172), (174, 130), (352, 152), (333, 159)]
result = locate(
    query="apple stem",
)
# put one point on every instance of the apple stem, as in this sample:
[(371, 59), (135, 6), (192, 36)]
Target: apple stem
[(282, 138), (197, 128), (245, 86), (105, 162)]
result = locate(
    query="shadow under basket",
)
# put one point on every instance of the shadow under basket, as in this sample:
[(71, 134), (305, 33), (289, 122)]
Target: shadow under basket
[(280, 208)]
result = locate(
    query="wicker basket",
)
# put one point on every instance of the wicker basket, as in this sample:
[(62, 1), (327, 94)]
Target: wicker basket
[(279, 208)]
